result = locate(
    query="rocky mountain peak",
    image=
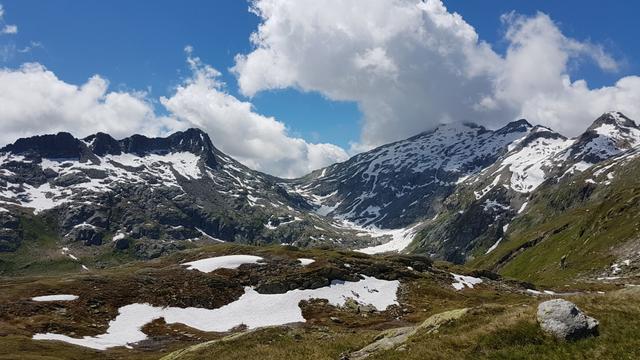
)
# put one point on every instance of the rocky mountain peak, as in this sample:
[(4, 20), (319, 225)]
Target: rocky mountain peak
[(102, 144), (613, 118), (192, 140), (62, 145), (521, 125), (610, 134), (540, 132)]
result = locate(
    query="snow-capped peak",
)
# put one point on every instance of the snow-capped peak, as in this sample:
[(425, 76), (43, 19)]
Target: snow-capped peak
[(609, 135)]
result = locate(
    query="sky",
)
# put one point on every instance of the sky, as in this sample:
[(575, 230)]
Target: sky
[(287, 87)]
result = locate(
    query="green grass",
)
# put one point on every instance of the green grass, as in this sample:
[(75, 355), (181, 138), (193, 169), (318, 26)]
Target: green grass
[(512, 333), (486, 332), (574, 220), (38, 252)]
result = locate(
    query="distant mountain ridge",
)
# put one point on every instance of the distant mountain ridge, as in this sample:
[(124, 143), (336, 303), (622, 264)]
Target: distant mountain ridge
[(470, 184), (150, 195), (456, 192), (395, 185)]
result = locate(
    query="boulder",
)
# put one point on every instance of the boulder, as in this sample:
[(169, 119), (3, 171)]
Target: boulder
[(122, 244), (564, 320)]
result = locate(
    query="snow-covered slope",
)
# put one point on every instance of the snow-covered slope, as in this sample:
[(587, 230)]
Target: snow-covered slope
[(479, 212), (394, 185), (611, 134), (457, 188)]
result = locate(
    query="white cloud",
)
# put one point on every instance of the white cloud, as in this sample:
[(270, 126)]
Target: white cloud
[(33, 100), (411, 64), (9, 29), (535, 83), (258, 141), (5, 28), (32, 45)]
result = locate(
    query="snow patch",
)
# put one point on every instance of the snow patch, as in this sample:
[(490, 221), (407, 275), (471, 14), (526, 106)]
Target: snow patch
[(460, 281), (221, 262), (61, 297), (400, 239), (252, 309), (494, 246), (305, 261)]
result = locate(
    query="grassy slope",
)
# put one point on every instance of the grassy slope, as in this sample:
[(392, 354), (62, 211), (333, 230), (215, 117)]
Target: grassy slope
[(581, 221), (498, 332), (506, 331), (34, 256)]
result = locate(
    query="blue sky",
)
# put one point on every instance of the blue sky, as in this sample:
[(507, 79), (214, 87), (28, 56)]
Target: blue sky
[(138, 45)]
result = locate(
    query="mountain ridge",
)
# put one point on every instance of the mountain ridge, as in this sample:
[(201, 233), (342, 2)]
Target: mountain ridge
[(450, 192)]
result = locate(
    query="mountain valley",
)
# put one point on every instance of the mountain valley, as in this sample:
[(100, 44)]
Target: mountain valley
[(167, 247)]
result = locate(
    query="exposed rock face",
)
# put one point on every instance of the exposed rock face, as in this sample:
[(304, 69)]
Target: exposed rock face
[(85, 233), (563, 319)]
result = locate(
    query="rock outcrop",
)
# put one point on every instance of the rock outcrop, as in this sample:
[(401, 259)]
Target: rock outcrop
[(394, 338)]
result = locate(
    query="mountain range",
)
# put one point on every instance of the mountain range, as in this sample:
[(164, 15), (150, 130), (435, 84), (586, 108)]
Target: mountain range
[(459, 192)]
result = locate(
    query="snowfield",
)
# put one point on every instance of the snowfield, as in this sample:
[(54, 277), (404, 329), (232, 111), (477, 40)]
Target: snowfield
[(252, 309), (222, 262), (400, 239)]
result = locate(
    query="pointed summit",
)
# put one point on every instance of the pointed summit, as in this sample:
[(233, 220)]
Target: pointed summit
[(613, 118), (192, 140), (102, 144), (521, 125), (609, 135)]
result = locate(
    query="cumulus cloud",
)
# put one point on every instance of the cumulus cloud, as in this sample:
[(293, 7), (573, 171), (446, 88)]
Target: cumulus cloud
[(411, 64), (535, 82), (258, 141), (33, 100)]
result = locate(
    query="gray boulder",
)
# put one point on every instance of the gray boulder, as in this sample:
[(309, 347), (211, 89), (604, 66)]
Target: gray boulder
[(563, 319)]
